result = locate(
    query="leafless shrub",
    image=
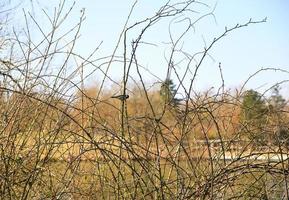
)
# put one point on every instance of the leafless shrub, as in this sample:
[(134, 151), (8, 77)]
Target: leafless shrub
[(62, 140)]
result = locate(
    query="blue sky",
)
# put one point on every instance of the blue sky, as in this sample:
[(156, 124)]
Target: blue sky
[(241, 53)]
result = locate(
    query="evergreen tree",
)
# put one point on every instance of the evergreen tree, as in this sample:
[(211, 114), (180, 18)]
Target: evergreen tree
[(168, 92), (253, 116), (253, 106)]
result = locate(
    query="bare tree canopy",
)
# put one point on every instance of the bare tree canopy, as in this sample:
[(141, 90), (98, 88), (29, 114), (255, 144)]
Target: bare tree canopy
[(106, 126)]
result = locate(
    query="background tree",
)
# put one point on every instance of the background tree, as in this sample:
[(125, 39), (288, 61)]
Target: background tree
[(253, 116), (278, 118), (168, 92), (276, 100)]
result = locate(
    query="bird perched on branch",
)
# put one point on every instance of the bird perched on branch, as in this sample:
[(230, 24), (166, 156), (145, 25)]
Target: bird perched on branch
[(121, 97)]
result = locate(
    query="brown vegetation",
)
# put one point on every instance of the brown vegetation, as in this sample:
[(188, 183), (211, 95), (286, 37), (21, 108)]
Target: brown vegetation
[(61, 139)]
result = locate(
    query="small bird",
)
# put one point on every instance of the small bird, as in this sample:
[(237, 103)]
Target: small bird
[(121, 97)]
